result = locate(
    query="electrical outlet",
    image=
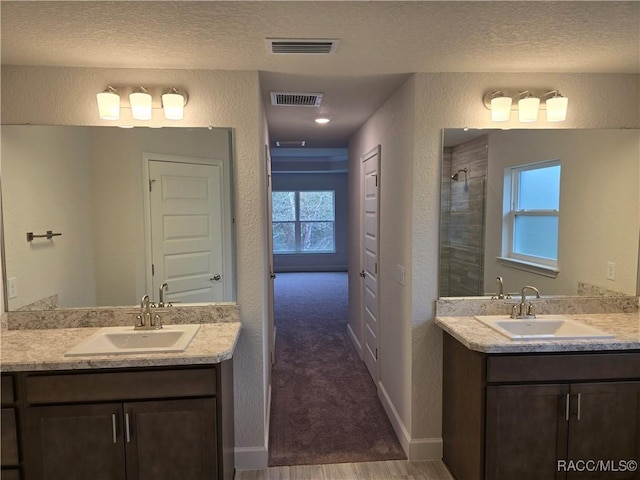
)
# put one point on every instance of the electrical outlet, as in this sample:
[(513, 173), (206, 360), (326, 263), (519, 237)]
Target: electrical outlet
[(611, 271), (13, 287), (400, 274)]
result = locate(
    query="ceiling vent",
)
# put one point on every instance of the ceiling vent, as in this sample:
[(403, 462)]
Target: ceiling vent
[(302, 46), (292, 99), (291, 143)]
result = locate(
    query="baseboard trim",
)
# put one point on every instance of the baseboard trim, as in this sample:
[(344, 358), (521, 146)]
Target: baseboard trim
[(418, 449), (425, 449), (354, 340), (251, 458), (396, 422)]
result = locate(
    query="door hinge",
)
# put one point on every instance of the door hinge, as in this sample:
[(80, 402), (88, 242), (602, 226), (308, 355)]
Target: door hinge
[(153, 269), (376, 177), (376, 353), (376, 268), (150, 183)]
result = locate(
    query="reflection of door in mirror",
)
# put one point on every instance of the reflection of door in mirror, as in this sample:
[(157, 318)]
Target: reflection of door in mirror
[(187, 230), (463, 194)]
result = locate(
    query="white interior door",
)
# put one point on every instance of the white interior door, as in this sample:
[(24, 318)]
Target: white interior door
[(187, 231), (370, 234)]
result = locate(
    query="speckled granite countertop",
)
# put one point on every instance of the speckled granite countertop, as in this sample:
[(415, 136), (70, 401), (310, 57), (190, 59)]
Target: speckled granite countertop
[(476, 336), (27, 350)]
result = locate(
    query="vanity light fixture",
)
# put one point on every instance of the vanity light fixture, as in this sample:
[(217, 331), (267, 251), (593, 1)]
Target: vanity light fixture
[(556, 106), (141, 104), (173, 103), (142, 101), (322, 121), (528, 107), (109, 104), (527, 103), (500, 107)]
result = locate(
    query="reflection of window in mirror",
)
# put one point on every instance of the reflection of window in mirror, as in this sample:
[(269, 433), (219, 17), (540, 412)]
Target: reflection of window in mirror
[(531, 213)]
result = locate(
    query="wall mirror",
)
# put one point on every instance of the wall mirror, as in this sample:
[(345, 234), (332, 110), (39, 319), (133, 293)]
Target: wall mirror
[(598, 219), (135, 208)]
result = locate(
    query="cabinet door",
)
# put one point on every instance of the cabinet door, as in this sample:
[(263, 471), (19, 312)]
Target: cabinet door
[(171, 440), (526, 431), (75, 442), (605, 425)]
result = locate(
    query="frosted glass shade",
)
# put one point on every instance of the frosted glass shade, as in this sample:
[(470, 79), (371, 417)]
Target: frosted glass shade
[(500, 109), (528, 109), (557, 109), (140, 105), (108, 105), (173, 105)]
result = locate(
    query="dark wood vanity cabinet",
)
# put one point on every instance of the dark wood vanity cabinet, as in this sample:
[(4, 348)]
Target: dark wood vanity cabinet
[(540, 416), (133, 424), (9, 446)]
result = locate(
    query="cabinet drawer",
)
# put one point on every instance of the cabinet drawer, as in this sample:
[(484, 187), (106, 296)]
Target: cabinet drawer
[(7, 393), (9, 439), (121, 385), (558, 368)]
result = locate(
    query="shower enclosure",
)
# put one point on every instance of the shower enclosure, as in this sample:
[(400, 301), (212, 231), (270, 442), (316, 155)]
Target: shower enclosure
[(463, 193)]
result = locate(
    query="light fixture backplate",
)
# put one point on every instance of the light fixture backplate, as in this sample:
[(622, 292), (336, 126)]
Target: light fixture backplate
[(155, 92), (540, 93)]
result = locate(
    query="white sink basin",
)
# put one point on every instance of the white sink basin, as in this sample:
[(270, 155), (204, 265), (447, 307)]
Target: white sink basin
[(547, 327), (126, 340)]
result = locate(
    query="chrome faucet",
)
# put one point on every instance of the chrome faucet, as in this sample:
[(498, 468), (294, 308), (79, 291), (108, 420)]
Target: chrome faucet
[(523, 310), (163, 287), (145, 320)]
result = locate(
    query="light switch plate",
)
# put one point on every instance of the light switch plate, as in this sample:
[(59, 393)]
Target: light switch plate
[(13, 287), (611, 271)]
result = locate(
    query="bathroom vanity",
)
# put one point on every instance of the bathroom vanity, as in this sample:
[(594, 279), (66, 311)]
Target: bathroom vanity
[(133, 416), (528, 409)]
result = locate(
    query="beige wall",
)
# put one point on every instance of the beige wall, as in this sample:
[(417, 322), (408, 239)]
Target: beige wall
[(437, 101), (66, 96)]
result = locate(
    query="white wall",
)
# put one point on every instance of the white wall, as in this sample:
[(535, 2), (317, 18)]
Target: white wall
[(599, 206), (412, 162), (66, 96)]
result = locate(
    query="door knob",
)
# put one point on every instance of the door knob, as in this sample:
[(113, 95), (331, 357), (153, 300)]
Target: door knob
[(362, 273), (216, 277)]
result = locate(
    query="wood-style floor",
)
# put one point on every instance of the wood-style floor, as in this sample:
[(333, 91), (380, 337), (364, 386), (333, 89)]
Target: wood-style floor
[(387, 470)]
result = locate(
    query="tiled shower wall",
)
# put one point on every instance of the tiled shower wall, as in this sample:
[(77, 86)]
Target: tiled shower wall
[(462, 225)]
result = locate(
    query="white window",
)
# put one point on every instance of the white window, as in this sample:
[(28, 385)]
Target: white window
[(304, 221), (532, 211)]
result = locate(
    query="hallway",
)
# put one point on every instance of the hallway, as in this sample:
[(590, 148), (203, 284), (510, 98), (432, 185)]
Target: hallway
[(325, 408)]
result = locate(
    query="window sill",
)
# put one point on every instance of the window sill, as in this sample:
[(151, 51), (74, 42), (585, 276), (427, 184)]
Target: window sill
[(530, 267), (306, 253)]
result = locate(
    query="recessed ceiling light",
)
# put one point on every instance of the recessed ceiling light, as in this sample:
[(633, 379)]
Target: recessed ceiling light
[(322, 120)]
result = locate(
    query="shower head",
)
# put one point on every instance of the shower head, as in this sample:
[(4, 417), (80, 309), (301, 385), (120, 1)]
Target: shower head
[(454, 177)]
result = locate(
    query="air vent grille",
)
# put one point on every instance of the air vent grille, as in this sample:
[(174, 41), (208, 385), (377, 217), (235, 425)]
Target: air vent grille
[(293, 99), (306, 46)]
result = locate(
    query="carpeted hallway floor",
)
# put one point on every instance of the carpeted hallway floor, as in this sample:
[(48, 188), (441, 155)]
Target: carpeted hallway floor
[(324, 405)]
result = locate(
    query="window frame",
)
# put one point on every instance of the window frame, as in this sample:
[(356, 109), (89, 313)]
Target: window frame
[(298, 228), (536, 264)]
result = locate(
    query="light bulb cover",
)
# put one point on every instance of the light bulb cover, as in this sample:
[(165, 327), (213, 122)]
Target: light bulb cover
[(141, 104), (108, 104), (557, 109), (322, 121), (528, 109), (173, 105), (501, 109)]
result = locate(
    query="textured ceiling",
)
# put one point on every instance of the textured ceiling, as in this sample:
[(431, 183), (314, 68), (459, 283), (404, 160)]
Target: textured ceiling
[(380, 42)]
